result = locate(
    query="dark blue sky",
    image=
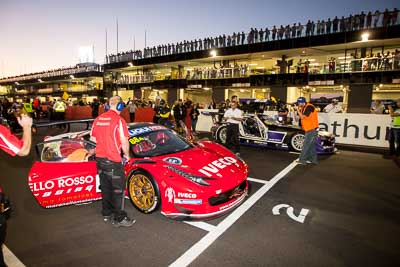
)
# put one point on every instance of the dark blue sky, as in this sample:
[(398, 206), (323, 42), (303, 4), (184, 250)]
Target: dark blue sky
[(43, 34)]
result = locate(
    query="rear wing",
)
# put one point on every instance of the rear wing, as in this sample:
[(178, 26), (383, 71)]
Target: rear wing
[(215, 115)]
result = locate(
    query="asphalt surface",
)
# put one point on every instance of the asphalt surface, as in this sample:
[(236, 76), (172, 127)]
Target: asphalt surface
[(354, 220)]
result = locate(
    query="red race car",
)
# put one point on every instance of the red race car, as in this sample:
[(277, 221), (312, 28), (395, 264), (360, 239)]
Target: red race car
[(199, 180)]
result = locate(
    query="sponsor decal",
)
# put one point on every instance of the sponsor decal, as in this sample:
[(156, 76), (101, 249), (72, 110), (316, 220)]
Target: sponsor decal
[(62, 186), (188, 201), (138, 131), (187, 195), (60, 183), (134, 140), (217, 165), (173, 160), (143, 130), (170, 194)]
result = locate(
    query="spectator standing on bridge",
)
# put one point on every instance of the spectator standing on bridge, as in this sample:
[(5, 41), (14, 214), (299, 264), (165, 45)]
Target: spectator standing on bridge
[(394, 138), (233, 117), (377, 15), (111, 135), (309, 122), (10, 144)]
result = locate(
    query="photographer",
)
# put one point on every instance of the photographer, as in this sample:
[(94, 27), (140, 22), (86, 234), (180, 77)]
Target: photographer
[(309, 123)]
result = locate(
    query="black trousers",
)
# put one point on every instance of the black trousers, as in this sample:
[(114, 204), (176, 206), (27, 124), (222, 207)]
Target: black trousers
[(232, 137), (112, 185), (132, 116), (394, 142), (3, 230)]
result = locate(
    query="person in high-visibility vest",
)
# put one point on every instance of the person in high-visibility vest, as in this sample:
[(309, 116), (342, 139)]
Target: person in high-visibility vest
[(162, 113), (59, 110), (394, 138), (309, 122), (28, 106)]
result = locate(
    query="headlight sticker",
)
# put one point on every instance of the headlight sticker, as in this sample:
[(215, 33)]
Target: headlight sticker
[(173, 160)]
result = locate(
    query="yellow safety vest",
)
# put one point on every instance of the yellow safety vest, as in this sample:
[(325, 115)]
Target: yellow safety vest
[(28, 107), (59, 107), (396, 120)]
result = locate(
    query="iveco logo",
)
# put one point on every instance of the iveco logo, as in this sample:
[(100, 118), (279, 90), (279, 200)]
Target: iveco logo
[(176, 161)]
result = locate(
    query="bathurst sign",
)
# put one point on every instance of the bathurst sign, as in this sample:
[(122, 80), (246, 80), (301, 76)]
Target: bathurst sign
[(349, 128), (357, 129)]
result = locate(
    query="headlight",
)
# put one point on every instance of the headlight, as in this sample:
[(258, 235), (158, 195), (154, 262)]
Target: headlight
[(194, 178)]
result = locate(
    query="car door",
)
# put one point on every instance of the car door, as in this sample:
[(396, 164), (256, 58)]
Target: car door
[(65, 173), (251, 129)]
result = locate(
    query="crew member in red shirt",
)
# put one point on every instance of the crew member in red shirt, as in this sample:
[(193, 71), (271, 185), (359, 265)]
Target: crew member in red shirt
[(111, 135), (13, 146)]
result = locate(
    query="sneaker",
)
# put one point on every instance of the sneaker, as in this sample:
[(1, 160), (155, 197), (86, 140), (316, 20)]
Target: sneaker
[(300, 162), (107, 219), (126, 222)]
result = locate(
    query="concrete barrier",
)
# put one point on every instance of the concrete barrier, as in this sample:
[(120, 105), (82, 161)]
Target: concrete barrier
[(78, 112), (144, 115)]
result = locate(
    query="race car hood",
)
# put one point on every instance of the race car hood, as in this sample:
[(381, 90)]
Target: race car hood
[(210, 161)]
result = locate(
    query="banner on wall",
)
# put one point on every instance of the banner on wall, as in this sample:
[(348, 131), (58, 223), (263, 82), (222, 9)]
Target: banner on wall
[(350, 129), (357, 129)]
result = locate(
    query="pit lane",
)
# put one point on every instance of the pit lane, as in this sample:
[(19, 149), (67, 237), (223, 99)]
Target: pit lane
[(353, 221)]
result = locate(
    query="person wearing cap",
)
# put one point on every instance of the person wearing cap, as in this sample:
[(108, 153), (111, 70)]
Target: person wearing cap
[(394, 137), (309, 123), (110, 133), (163, 112), (333, 107)]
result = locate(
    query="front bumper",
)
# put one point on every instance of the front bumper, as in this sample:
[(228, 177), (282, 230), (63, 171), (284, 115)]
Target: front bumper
[(212, 207)]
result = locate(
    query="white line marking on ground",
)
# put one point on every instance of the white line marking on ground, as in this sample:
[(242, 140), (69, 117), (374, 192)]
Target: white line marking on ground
[(208, 227), (257, 180), (296, 153), (10, 259), (202, 225), (190, 255)]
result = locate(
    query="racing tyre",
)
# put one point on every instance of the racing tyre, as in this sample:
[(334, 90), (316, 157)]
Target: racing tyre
[(296, 142), (143, 192), (221, 134)]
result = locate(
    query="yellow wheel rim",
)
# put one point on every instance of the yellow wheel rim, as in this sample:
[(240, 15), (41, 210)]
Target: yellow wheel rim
[(142, 191)]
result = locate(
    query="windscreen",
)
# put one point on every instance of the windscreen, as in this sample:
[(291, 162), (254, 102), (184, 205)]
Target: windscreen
[(157, 143)]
